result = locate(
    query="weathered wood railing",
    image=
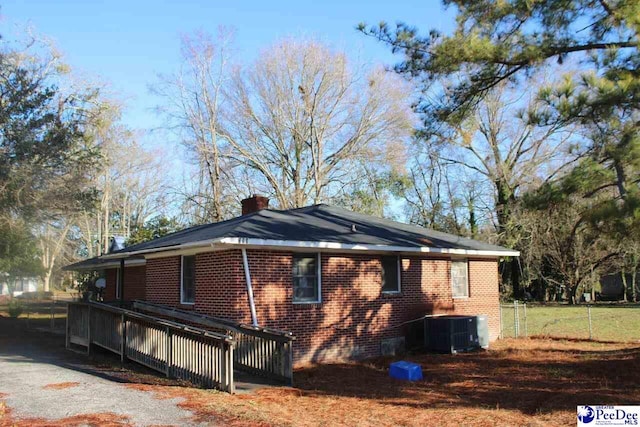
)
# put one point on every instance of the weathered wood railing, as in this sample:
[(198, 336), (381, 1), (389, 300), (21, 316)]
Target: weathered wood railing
[(260, 351), (177, 350)]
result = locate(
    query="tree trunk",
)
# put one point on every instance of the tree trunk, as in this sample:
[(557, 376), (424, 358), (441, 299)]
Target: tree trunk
[(504, 203), (573, 289), (46, 280)]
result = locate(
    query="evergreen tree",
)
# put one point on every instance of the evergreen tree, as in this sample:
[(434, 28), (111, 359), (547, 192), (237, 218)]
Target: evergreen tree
[(498, 42)]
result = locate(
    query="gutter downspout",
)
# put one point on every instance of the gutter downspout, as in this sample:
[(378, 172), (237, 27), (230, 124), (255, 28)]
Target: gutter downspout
[(247, 276)]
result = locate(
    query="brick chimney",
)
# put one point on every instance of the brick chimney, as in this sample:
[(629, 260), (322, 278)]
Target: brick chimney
[(254, 204)]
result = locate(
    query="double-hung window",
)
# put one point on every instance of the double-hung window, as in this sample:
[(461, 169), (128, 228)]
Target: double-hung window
[(188, 280), (390, 274), (306, 278), (460, 278)]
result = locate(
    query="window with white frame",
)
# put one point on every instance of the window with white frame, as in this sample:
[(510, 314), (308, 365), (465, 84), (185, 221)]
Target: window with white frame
[(390, 274), (188, 280), (306, 278), (460, 278)]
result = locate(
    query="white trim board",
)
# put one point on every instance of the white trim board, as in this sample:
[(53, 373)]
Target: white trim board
[(297, 244), (231, 242)]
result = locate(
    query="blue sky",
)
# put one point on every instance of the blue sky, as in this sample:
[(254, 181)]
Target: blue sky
[(127, 43)]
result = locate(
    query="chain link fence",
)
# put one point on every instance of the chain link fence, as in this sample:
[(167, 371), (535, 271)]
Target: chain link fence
[(595, 322)]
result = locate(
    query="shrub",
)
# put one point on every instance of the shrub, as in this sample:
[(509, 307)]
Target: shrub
[(15, 308)]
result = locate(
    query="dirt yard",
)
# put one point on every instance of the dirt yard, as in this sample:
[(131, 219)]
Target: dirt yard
[(535, 382)]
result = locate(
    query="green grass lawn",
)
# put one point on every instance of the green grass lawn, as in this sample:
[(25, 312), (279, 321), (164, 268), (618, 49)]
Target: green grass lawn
[(609, 323)]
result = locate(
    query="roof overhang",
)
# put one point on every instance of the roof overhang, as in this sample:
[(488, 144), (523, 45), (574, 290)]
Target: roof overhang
[(132, 262), (297, 245)]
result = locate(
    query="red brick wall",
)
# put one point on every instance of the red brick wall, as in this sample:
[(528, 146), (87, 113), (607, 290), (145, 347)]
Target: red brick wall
[(134, 283), (220, 287), (354, 315), (484, 294), (163, 281)]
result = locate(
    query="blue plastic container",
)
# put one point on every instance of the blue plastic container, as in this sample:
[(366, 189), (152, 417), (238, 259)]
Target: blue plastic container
[(405, 371)]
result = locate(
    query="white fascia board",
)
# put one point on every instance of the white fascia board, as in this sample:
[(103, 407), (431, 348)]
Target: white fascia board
[(212, 244), (334, 246), (184, 251)]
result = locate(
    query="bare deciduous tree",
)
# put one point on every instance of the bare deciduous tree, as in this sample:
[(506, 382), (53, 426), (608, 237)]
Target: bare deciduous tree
[(509, 155), (193, 98), (53, 244), (131, 183), (500, 145), (297, 124), (302, 119)]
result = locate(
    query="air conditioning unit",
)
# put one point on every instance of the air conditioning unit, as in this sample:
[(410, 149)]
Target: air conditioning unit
[(448, 334)]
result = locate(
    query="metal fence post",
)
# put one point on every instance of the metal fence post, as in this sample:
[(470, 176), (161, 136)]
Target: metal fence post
[(501, 323), (516, 319), (589, 316), (526, 331)]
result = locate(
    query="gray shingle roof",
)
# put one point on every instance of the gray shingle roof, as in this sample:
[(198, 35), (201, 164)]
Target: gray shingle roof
[(318, 223)]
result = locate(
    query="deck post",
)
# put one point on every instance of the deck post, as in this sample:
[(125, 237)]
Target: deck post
[(123, 338), (289, 359), (224, 385), (231, 387), (169, 352), (89, 331)]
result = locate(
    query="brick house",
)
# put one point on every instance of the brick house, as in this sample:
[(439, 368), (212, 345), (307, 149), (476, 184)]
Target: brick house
[(342, 282)]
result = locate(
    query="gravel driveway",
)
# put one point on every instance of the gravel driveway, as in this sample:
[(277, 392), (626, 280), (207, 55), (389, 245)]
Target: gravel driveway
[(34, 368)]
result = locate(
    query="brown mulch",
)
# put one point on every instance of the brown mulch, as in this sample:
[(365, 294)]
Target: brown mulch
[(535, 382), (60, 386), (106, 419)]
